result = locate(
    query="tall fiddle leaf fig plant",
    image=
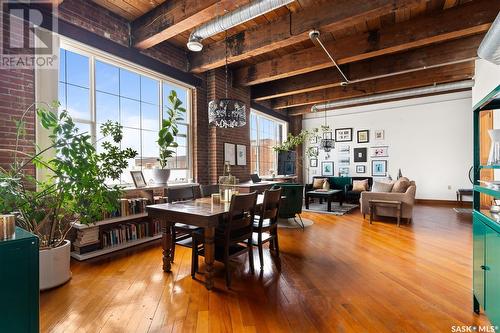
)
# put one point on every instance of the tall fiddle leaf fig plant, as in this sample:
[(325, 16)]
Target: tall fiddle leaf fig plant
[(76, 186), (169, 129)]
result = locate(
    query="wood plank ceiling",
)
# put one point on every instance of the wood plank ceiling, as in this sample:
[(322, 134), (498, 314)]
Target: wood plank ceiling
[(422, 41)]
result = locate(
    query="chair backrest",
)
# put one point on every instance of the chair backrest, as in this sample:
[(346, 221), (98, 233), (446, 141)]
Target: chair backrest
[(208, 190), (255, 178), (270, 206), (294, 198), (239, 223), (180, 194)]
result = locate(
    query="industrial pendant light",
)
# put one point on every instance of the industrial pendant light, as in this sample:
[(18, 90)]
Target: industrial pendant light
[(326, 144), (227, 112)]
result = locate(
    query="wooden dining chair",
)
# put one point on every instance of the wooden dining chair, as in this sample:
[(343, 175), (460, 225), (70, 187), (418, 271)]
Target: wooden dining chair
[(208, 190), (181, 233), (233, 237), (265, 226)]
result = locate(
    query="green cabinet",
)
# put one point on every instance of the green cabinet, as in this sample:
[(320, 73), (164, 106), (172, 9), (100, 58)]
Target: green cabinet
[(19, 283), (479, 233), (492, 275)]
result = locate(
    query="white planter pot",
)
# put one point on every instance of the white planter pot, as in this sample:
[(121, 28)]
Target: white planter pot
[(54, 266), (161, 176)]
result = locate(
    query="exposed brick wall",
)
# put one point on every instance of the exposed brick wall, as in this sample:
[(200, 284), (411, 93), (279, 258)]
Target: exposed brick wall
[(295, 127), (200, 135)]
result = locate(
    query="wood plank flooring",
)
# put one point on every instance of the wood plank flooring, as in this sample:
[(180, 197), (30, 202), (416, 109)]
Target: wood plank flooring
[(339, 275)]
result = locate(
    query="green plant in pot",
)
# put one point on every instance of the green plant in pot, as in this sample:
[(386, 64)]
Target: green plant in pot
[(166, 137), (74, 189)]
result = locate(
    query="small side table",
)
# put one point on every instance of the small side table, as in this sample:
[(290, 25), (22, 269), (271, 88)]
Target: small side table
[(387, 203), (461, 192)]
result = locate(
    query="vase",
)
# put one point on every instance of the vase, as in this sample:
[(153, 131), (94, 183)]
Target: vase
[(55, 266), (494, 156), (161, 176)]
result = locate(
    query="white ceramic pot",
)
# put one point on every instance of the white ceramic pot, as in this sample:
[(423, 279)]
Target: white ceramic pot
[(54, 266), (161, 176)]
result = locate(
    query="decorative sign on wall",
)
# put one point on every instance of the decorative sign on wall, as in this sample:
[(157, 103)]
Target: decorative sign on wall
[(363, 136), (344, 172), (360, 169), (230, 153), (327, 168), (344, 149), (343, 134), (360, 155), (379, 168), (241, 154), (379, 135), (382, 151), (313, 163), (344, 160)]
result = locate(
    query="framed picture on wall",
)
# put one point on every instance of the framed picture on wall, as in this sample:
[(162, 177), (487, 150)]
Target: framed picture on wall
[(360, 169), (313, 139), (363, 136), (344, 149), (313, 151), (327, 168), (327, 135), (344, 160), (241, 154), (379, 135), (379, 168), (344, 172), (382, 151), (230, 153), (360, 155), (313, 163), (343, 134)]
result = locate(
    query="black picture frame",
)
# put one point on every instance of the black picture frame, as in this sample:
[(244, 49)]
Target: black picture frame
[(331, 168), (367, 132), (379, 174), (360, 155), (360, 169), (313, 139), (138, 178), (339, 136), (327, 135), (313, 163)]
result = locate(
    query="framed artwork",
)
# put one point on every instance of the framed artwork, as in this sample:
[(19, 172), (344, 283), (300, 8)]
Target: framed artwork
[(379, 135), (327, 168), (360, 169), (241, 155), (313, 163), (313, 139), (313, 151), (360, 155), (138, 179), (379, 168), (327, 135), (344, 160), (344, 149), (344, 172), (230, 153), (363, 136), (343, 134), (382, 151)]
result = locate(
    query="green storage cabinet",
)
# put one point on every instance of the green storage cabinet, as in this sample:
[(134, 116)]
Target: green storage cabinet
[(479, 233), (19, 283), (492, 275)]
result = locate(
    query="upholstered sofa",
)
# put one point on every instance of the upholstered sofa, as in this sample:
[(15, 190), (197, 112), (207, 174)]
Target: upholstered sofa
[(344, 184), (407, 198)]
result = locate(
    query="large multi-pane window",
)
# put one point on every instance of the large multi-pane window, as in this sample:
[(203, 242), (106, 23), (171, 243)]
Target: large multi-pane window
[(95, 89), (265, 132)]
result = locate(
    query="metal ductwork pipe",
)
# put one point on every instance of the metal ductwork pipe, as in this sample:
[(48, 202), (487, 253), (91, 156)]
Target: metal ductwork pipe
[(232, 19), (490, 46), (394, 95)]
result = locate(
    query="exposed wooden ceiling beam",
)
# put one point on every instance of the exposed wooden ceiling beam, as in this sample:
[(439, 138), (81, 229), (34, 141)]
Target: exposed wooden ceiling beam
[(427, 77), (471, 18), (176, 16), (290, 29), (436, 55)]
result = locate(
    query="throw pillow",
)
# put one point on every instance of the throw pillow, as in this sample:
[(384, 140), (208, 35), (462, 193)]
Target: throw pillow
[(360, 185), (382, 187), (318, 183), (401, 185)]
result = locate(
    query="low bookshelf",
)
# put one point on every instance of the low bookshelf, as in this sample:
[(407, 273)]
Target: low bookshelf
[(128, 226)]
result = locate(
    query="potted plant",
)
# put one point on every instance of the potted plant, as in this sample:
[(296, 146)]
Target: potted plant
[(166, 137), (74, 189)]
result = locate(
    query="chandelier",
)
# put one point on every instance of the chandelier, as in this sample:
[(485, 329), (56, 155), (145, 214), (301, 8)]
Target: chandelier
[(327, 143), (227, 112)]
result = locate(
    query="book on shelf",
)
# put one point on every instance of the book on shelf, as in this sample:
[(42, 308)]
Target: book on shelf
[(87, 248), (127, 232), (86, 236)]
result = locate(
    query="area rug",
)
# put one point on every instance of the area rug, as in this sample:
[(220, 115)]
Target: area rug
[(463, 210), (336, 208), (291, 224)]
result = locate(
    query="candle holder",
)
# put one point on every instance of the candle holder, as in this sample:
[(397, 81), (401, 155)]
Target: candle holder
[(7, 227)]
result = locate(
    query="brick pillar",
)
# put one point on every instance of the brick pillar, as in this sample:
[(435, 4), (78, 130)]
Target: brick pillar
[(295, 127)]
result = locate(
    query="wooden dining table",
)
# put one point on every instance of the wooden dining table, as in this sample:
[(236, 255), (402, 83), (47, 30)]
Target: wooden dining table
[(200, 213)]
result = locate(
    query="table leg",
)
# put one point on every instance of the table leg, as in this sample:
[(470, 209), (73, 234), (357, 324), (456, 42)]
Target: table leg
[(307, 201), (329, 203), (166, 243), (209, 257)]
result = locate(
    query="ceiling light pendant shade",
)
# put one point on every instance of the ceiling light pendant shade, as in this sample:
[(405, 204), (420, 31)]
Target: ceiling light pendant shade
[(227, 113)]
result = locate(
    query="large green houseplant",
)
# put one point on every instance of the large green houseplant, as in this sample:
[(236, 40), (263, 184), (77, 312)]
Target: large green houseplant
[(75, 188), (166, 137)]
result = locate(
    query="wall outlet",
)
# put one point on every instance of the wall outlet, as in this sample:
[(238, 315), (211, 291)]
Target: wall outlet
[(449, 187)]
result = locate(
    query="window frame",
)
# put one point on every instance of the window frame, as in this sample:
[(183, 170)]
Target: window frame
[(284, 133), (94, 55)]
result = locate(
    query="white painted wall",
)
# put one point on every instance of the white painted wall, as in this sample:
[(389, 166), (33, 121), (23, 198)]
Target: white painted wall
[(429, 138), (487, 78)]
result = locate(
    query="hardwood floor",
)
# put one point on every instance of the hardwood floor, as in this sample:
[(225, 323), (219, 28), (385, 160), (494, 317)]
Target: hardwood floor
[(339, 275)]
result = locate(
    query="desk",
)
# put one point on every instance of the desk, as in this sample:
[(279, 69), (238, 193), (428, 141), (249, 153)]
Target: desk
[(200, 213)]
